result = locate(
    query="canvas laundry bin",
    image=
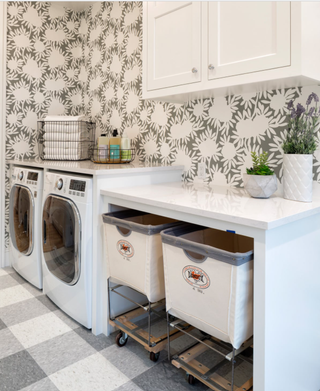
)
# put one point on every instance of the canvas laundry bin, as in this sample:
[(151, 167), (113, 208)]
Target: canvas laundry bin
[(134, 250), (209, 280)]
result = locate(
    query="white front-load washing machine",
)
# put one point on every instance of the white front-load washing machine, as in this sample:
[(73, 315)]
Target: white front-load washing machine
[(67, 244), (25, 210)]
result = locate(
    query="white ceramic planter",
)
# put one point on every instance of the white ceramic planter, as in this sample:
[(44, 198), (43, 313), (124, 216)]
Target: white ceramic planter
[(260, 186), (297, 177)]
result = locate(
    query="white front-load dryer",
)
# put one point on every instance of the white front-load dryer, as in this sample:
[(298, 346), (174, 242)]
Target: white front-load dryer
[(67, 244), (25, 211)]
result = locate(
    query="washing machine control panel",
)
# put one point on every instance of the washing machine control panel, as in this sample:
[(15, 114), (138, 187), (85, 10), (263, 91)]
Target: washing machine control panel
[(77, 188), (77, 185), (59, 184), (32, 176)]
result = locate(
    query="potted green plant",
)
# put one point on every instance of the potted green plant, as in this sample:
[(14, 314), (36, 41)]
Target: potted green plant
[(299, 146), (260, 181)]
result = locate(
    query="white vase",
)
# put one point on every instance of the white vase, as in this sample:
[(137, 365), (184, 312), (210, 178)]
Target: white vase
[(260, 186), (297, 177)]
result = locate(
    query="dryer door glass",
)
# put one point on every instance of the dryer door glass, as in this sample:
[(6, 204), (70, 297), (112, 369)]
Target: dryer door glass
[(61, 238), (21, 219)]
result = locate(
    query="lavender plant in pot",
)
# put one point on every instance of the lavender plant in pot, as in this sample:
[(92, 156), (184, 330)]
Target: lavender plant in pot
[(299, 146), (260, 181)]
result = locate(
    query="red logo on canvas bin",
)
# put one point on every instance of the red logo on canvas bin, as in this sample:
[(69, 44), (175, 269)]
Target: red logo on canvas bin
[(196, 277), (125, 248)]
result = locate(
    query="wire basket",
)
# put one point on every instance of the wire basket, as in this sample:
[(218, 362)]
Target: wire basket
[(65, 140), (102, 155)]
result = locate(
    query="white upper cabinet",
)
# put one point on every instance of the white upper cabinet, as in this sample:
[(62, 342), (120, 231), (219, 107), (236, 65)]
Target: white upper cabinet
[(246, 37), (206, 49), (173, 44)]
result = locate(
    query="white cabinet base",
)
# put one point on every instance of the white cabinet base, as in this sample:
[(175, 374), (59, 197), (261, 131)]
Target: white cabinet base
[(286, 293)]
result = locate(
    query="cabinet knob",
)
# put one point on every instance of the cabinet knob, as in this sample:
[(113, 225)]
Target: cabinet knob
[(210, 67), (194, 70)]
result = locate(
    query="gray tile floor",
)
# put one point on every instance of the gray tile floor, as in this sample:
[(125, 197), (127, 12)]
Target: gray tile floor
[(42, 349)]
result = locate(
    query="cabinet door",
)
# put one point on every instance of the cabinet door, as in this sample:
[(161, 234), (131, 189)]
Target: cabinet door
[(247, 37), (173, 44)]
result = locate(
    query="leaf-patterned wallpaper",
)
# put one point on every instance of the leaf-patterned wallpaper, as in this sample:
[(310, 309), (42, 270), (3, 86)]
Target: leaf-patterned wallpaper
[(44, 52), (220, 132), (63, 62)]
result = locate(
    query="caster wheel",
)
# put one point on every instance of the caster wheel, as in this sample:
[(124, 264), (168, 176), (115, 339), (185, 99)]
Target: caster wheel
[(121, 339), (191, 379), (154, 356)]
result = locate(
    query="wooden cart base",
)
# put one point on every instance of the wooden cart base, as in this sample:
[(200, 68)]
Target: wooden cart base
[(195, 369), (125, 324)]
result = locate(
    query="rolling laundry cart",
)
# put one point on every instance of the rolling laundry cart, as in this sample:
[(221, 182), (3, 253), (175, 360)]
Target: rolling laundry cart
[(209, 284), (134, 260)]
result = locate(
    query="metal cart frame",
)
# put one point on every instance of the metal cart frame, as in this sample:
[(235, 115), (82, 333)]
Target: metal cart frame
[(195, 369), (128, 328)]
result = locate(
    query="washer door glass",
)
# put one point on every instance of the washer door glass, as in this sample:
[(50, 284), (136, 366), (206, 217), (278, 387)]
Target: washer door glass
[(21, 219), (61, 238)]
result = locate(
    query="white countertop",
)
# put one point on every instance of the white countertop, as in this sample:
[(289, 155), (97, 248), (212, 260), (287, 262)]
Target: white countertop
[(88, 167), (221, 203)]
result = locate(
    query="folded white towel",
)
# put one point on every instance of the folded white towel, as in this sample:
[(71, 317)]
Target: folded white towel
[(57, 154), (65, 127), (65, 118), (65, 151), (65, 145), (62, 157), (51, 136), (68, 127)]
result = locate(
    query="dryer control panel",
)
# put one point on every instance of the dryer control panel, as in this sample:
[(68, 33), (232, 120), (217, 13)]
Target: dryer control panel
[(28, 177), (76, 187), (32, 176)]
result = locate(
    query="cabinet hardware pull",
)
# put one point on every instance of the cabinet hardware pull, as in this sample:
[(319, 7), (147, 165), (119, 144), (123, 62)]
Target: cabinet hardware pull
[(194, 70), (211, 67)]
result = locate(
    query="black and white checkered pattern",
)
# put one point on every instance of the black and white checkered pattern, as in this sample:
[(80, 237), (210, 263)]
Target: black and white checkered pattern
[(42, 349)]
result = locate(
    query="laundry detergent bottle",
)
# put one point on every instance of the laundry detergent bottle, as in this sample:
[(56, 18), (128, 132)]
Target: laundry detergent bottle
[(114, 147), (103, 148), (125, 148)]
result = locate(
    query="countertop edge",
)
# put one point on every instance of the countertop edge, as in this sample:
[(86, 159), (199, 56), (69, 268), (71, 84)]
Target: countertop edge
[(249, 222), (290, 219), (184, 209), (140, 170), (95, 172)]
